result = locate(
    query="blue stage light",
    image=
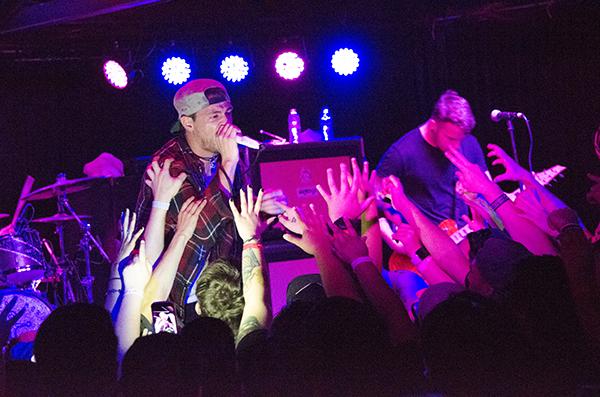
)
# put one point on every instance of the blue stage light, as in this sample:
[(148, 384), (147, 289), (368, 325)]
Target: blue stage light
[(176, 70), (234, 68), (345, 61)]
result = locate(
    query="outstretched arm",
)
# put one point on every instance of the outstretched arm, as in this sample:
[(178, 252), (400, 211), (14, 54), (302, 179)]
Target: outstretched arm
[(519, 228), (577, 255), (351, 249), (135, 278), (247, 221), (164, 188), (161, 282), (317, 241), (443, 250), (128, 241)]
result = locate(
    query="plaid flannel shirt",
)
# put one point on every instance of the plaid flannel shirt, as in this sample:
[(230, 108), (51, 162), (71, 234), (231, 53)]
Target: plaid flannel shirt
[(215, 235)]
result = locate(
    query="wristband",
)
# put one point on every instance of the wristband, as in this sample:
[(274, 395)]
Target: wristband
[(134, 291), (497, 203), (422, 253), (253, 238), (113, 291), (163, 205), (252, 245), (570, 227), (359, 260)]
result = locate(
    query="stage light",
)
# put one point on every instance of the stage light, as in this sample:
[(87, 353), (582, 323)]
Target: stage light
[(176, 70), (289, 65), (115, 74), (345, 61), (234, 68)]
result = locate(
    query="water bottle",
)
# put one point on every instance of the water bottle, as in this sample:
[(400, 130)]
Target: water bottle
[(326, 124), (294, 127)]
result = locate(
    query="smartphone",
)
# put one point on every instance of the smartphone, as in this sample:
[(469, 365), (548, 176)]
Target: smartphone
[(163, 317)]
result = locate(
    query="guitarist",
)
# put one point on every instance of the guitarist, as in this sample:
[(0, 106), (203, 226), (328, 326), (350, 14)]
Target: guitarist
[(417, 158)]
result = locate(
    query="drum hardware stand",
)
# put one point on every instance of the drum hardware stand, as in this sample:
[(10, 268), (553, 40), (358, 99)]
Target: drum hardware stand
[(87, 240)]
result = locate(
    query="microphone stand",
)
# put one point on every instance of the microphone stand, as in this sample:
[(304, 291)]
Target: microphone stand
[(511, 131), (87, 241)]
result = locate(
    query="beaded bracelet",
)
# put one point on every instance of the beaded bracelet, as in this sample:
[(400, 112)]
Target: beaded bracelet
[(501, 199)]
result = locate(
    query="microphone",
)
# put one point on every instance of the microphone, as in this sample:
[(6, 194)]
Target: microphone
[(496, 115), (248, 142)]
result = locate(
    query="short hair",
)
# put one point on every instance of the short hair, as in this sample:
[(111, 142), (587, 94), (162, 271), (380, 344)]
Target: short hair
[(453, 108), (219, 293)]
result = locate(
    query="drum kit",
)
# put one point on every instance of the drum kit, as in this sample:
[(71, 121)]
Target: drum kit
[(24, 265)]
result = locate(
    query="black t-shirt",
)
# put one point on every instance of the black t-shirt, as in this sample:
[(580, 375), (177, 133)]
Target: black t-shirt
[(427, 176)]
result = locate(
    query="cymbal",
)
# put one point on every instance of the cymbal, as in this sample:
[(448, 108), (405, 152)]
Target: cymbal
[(58, 218), (2, 216), (65, 186)]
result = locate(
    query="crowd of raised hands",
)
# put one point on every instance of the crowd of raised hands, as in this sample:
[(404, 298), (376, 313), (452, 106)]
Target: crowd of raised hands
[(364, 212)]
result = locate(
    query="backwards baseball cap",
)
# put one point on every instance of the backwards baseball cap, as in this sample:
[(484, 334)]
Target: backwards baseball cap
[(197, 95)]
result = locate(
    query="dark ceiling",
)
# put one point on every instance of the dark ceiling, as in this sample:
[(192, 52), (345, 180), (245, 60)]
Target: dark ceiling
[(50, 29)]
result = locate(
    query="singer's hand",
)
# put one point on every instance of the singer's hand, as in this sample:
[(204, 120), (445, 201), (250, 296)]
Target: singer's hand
[(226, 144)]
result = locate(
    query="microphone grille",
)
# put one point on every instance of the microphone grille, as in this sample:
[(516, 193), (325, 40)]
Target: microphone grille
[(494, 115)]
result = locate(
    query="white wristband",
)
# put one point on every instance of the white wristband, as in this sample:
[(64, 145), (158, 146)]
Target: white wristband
[(133, 291), (160, 205), (359, 260)]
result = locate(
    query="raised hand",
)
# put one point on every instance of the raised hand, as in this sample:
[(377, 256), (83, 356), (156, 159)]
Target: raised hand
[(470, 175), (512, 170), (392, 187), (315, 236), (164, 186), (409, 236), (343, 200), (274, 202), (187, 219), (137, 274), (247, 219), (367, 185), (347, 244), (128, 238), (290, 220)]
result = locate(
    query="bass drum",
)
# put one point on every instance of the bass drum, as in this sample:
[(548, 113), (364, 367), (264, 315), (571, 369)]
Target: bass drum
[(30, 309)]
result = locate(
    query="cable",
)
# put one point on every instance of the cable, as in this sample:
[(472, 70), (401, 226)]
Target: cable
[(530, 154)]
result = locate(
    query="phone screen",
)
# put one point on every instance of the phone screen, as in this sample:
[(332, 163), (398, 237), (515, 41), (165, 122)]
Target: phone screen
[(163, 317)]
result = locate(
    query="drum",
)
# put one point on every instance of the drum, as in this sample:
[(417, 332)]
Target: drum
[(21, 259), (33, 309)]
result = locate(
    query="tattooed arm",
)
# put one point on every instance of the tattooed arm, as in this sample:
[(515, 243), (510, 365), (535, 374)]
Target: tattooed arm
[(247, 221)]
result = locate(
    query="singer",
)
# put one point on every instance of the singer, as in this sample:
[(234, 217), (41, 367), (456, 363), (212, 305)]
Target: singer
[(417, 158), (204, 162)]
